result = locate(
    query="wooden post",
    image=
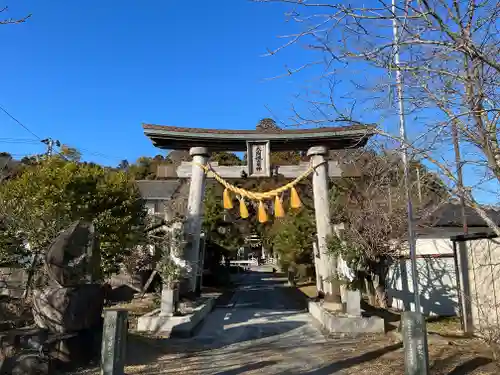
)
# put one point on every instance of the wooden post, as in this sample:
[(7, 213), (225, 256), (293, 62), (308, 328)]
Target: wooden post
[(114, 342), (463, 282)]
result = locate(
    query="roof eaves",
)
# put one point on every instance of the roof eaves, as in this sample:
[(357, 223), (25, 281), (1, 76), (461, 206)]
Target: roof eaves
[(201, 131)]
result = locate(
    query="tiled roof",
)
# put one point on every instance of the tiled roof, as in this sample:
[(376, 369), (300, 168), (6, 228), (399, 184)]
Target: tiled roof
[(158, 189), (450, 215)]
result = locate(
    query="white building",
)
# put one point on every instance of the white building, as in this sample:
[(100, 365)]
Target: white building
[(436, 265), (158, 195)]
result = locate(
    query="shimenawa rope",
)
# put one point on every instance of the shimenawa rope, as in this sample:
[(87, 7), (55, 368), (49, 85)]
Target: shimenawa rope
[(257, 196)]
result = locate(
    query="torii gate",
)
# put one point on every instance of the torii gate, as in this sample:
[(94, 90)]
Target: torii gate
[(257, 144)]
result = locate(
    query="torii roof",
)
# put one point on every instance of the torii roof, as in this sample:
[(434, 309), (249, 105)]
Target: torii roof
[(335, 138)]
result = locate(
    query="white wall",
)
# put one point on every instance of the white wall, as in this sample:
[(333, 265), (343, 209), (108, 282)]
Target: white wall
[(436, 275), (436, 285)]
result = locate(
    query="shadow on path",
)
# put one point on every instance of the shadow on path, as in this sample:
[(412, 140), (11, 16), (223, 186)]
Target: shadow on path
[(245, 368), (349, 362), (245, 333), (469, 366)]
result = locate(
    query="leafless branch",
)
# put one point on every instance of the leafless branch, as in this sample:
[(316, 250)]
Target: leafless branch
[(451, 76), (8, 21)]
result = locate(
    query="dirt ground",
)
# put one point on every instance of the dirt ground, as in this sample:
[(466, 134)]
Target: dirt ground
[(383, 355), (450, 353)]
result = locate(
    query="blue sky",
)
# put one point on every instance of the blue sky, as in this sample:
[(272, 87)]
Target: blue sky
[(90, 73)]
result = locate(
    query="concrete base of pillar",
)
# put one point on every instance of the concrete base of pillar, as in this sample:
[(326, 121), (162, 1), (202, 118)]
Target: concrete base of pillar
[(176, 326), (333, 306), (339, 323), (333, 298), (169, 301)]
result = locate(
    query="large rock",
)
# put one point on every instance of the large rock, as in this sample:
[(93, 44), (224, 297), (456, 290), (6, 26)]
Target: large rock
[(70, 309), (73, 257)]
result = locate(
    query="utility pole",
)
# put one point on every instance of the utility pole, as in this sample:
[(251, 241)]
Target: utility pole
[(416, 352), (50, 145), (404, 158), (419, 185), (460, 178), (461, 255)]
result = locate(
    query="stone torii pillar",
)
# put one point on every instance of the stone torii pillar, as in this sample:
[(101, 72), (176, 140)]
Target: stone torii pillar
[(326, 264), (200, 155)]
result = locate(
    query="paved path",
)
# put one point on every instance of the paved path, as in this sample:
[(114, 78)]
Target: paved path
[(260, 308), (262, 330)]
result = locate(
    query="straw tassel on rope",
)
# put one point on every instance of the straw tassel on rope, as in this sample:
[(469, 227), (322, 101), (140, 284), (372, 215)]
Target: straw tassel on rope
[(241, 194), (243, 209), (294, 198), (278, 207), (262, 213), (228, 202)]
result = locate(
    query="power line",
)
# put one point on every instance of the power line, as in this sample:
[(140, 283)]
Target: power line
[(19, 123), (48, 141), (19, 141), (98, 154)]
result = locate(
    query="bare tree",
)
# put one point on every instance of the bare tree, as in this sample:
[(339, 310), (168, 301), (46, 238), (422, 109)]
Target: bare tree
[(373, 211), (449, 51)]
